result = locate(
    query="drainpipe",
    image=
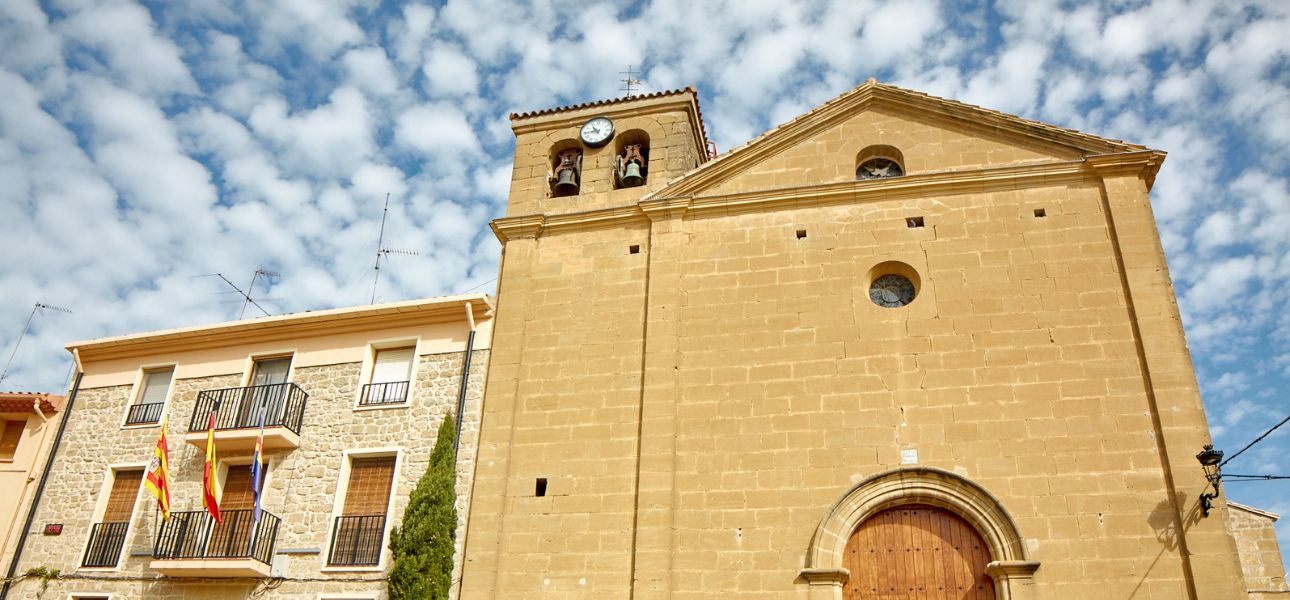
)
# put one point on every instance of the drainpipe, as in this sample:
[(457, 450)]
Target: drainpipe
[(465, 378), (44, 477)]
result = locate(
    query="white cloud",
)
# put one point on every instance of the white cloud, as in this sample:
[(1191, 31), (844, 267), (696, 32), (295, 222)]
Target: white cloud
[(436, 129), (318, 27), (331, 140), (368, 69), (449, 72), (133, 51)]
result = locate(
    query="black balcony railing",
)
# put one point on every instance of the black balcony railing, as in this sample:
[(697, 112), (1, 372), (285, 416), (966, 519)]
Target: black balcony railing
[(106, 541), (142, 414), (194, 535), (377, 394), (356, 541), (239, 408)]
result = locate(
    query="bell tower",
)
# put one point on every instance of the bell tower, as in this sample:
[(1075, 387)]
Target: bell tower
[(603, 154)]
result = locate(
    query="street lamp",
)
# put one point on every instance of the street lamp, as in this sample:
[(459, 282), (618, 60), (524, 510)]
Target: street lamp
[(1210, 460)]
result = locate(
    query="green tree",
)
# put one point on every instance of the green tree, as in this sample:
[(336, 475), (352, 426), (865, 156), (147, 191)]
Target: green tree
[(423, 546)]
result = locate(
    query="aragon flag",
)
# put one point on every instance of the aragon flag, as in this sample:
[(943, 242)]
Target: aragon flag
[(210, 474), (157, 479)]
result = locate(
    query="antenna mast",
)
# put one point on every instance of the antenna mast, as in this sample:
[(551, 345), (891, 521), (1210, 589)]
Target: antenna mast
[(381, 250), (26, 327), (260, 272), (629, 81)]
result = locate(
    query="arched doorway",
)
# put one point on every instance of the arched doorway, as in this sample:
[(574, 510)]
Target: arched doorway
[(917, 552), (826, 575)]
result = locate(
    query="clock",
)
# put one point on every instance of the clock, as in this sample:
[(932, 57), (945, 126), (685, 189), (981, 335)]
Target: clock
[(597, 132), (891, 291)]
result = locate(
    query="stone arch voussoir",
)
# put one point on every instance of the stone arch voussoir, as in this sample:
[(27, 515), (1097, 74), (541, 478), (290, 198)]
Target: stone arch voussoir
[(1009, 566)]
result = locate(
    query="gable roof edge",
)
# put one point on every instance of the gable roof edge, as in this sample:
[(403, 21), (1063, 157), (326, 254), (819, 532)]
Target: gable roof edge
[(793, 130)]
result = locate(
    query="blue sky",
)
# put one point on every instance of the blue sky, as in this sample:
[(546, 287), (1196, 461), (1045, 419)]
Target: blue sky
[(144, 144)]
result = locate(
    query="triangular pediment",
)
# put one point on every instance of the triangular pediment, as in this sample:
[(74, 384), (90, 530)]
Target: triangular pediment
[(930, 135)]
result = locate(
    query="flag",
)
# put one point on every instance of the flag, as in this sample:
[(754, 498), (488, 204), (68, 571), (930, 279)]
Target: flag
[(210, 475), (256, 459), (157, 479)]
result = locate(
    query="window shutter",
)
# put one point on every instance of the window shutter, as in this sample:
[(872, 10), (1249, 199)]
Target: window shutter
[(125, 488), (392, 365), (155, 386), (12, 435), (238, 494), (369, 486)]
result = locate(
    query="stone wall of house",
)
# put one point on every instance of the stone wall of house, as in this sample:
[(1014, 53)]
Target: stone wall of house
[(301, 485), (1256, 540)]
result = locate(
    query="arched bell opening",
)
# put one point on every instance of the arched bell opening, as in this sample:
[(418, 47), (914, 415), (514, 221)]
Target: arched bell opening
[(880, 161), (962, 501), (631, 159), (565, 175)]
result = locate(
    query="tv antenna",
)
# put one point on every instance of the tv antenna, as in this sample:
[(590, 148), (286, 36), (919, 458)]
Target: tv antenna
[(629, 81), (382, 251), (260, 272), (246, 296), (39, 306)]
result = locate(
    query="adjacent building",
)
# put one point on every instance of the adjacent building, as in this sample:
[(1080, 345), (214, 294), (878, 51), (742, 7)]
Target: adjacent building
[(351, 401), (897, 347), (27, 424)]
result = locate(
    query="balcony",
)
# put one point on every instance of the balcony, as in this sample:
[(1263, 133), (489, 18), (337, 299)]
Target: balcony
[(106, 541), (384, 394), (144, 414), (193, 545), (237, 420), (356, 541)]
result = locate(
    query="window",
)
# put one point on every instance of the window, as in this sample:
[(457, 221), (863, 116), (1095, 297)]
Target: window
[(879, 162), (10, 438), (107, 536), (391, 376), (359, 532), (267, 391), (152, 399)]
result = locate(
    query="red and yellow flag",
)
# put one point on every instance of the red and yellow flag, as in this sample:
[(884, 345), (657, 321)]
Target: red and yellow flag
[(157, 479), (210, 474)]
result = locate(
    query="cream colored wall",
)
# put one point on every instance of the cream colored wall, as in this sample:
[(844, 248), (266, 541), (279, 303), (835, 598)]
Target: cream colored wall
[(18, 477), (927, 144), (306, 351)]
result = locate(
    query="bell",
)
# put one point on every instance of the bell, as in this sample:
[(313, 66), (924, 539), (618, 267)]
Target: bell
[(566, 184), (632, 175)]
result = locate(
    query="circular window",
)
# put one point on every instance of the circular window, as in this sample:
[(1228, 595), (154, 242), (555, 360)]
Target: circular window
[(878, 168), (891, 291)]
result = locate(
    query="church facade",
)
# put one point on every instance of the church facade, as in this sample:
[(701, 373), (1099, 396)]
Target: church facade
[(898, 347)]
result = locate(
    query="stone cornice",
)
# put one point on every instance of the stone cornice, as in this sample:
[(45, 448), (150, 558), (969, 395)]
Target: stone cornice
[(315, 323), (854, 101), (1144, 164), (923, 184)]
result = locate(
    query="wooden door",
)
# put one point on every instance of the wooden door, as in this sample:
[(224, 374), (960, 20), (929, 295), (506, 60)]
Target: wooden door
[(917, 552)]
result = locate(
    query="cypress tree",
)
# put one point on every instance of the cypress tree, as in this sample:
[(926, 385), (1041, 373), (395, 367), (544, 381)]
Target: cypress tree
[(423, 546)]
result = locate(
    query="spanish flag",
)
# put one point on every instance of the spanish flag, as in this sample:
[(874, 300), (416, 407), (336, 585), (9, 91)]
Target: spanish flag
[(157, 479), (210, 473)]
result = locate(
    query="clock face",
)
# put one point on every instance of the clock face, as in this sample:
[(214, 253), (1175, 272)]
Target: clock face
[(891, 291), (597, 131)]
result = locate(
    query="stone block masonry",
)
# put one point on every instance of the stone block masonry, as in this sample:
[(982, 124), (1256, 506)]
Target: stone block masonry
[(301, 483)]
